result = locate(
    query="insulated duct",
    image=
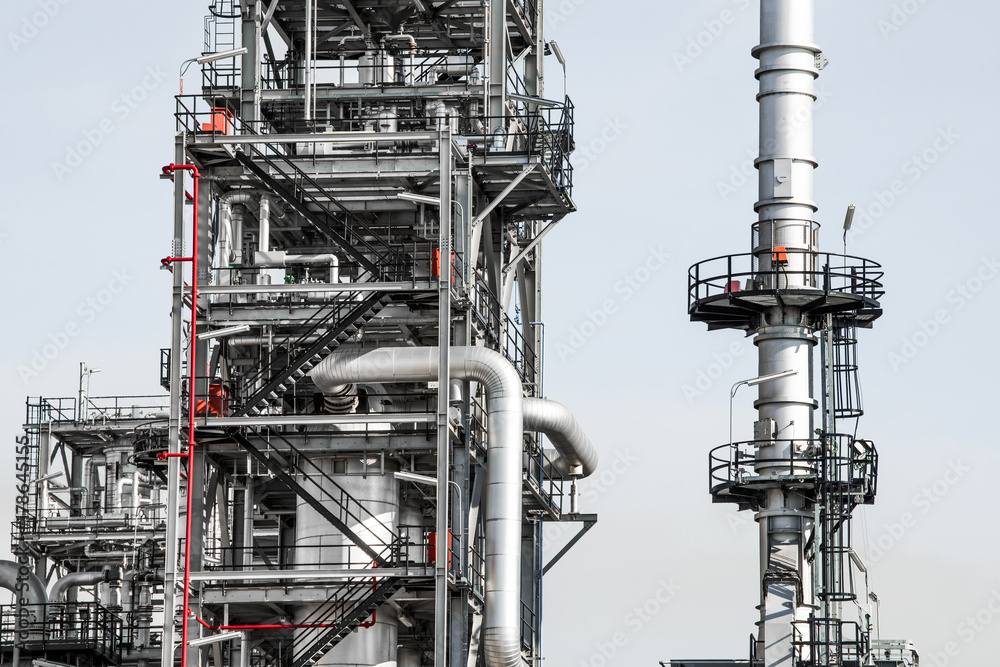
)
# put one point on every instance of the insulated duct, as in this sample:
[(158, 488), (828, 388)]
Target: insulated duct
[(501, 632), (577, 457), (8, 580), (77, 579), (231, 226)]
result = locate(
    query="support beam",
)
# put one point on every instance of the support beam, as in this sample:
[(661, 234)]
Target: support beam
[(503, 194), (528, 248), (589, 521)]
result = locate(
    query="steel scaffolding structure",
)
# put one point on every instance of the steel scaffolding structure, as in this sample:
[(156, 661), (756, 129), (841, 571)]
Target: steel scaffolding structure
[(349, 468)]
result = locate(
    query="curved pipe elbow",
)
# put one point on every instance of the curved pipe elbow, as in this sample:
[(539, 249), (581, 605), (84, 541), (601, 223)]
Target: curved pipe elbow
[(8, 580), (502, 382), (577, 456), (77, 579)]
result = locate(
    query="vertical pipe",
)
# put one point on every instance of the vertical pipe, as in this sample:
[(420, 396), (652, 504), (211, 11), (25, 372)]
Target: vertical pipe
[(309, 58), (174, 437), (264, 216), (444, 373), (192, 406), (497, 63)]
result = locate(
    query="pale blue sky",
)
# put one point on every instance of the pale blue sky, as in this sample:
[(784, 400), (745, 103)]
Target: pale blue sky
[(666, 139)]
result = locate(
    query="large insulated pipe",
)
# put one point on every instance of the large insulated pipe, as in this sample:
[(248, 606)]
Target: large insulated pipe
[(8, 581), (577, 457), (501, 631), (231, 229), (76, 579)]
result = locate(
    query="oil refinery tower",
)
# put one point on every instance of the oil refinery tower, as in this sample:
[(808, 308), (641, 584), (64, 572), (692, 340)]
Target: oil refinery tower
[(803, 473), (350, 468)]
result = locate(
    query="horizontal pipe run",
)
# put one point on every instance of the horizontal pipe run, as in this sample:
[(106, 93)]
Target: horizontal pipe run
[(322, 576), (76, 580), (307, 420), (323, 138), (343, 288)]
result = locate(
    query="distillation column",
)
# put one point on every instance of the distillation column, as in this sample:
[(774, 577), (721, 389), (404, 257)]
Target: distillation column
[(785, 243)]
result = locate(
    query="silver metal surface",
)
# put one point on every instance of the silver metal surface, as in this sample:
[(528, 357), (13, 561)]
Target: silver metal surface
[(8, 580), (501, 635), (577, 457), (74, 580), (318, 544), (785, 209), (304, 249)]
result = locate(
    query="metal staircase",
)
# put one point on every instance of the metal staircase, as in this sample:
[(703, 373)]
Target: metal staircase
[(276, 170), (359, 597), (337, 506), (333, 328), (374, 259), (342, 617)]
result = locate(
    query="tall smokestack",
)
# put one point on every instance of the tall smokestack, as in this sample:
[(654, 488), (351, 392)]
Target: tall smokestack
[(785, 209), (801, 477)]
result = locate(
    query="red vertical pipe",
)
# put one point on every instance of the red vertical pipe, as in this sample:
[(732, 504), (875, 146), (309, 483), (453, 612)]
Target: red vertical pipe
[(192, 370)]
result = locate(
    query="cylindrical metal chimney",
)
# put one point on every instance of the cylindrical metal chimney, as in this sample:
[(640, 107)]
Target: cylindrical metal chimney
[(787, 74), (784, 246)]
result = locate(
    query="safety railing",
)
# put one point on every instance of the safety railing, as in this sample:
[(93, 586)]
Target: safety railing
[(477, 570), (502, 334), (528, 626), (536, 131), (411, 550), (50, 410), (56, 627), (165, 368), (87, 518), (107, 409), (829, 641), (731, 275), (839, 460), (359, 64), (414, 261), (545, 480), (96, 409)]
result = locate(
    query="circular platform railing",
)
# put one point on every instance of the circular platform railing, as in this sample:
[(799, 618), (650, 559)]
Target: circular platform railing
[(840, 461), (735, 276)]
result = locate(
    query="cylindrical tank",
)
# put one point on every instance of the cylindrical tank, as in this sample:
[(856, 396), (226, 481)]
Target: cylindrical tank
[(319, 545)]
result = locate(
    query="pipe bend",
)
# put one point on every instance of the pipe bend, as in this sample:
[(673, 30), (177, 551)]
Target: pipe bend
[(8, 580), (577, 456), (501, 630), (77, 579)]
